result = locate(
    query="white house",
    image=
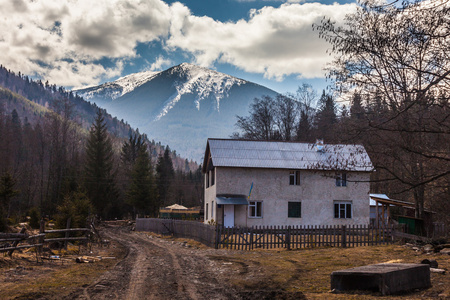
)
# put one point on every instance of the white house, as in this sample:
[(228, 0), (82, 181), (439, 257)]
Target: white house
[(252, 183)]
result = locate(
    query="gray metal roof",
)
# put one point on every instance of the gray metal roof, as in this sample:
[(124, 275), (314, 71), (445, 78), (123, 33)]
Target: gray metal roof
[(287, 155)]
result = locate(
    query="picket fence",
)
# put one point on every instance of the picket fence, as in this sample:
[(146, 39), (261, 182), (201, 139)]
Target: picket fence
[(295, 237), (270, 237)]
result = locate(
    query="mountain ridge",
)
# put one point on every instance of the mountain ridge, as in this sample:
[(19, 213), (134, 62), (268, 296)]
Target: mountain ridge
[(181, 106)]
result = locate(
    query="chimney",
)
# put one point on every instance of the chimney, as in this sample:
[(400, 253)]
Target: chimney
[(320, 145)]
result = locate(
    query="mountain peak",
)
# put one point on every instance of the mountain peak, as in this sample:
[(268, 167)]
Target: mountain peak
[(181, 106)]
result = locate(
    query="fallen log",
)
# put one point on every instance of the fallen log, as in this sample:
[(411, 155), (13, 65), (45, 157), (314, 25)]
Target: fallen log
[(66, 239), (19, 247)]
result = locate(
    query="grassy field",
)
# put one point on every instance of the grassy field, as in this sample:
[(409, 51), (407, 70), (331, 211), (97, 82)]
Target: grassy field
[(309, 270)]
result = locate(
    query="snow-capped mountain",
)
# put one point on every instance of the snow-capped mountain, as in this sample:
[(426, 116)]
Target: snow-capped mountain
[(181, 106), (118, 88)]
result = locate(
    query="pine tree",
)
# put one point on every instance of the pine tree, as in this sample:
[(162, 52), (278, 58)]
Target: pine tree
[(7, 192), (141, 194), (99, 171), (131, 149), (164, 175), (326, 118)]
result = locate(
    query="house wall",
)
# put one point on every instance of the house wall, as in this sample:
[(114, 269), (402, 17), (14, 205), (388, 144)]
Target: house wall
[(210, 198), (317, 192)]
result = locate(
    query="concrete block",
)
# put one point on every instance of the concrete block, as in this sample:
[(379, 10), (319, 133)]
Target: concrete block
[(384, 278)]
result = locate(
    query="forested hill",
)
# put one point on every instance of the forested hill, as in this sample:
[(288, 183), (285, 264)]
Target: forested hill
[(32, 99), (62, 157), (45, 94)]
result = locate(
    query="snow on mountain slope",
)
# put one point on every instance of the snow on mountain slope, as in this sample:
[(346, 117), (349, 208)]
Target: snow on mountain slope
[(200, 81), (118, 88), (181, 106)]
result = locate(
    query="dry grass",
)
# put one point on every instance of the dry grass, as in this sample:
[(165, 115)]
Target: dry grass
[(23, 278), (309, 270)]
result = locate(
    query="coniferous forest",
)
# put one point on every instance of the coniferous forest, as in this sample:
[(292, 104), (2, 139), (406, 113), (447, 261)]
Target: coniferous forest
[(64, 157)]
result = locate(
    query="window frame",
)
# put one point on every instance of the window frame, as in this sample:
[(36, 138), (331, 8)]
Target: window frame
[(290, 203), (341, 179), (255, 204), (343, 209), (294, 177), (213, 177)]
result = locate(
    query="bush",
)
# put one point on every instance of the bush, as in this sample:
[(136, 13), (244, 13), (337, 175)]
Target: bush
[(35, 218), (77, 207)]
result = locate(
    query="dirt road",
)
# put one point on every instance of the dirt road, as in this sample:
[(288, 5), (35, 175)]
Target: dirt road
[(156, 268)]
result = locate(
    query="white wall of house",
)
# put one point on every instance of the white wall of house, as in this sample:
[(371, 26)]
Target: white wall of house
[(210, 207), (317, 193)]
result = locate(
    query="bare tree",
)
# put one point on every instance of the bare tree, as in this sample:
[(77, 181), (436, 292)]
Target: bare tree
[(260, 124), (398, 54)]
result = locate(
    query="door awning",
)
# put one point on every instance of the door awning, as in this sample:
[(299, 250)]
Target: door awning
[(235, 200)]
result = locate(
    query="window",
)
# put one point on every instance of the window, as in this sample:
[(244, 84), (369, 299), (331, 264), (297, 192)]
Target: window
[(294, 177), (207, 179), (341, 179), (212, 177), (255, 209), (206, 211), (342, 210), (294, 209), (212, 210)]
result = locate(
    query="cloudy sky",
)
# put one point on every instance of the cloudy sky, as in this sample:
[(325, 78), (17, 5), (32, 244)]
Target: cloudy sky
[(77, 43)]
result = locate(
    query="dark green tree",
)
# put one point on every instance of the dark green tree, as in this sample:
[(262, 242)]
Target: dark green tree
[(131, 149), (326, 118), (76, 206), (141, 194), (99, 170), (7, 192), (165, 175)]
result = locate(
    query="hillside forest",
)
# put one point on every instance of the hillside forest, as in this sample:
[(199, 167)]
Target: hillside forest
[(64, 157)]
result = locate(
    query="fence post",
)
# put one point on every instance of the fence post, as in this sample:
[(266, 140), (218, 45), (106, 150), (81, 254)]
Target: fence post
[(344, 237), (288, 238), (67, 232), (216, 244), (10, 252), (41, 239)]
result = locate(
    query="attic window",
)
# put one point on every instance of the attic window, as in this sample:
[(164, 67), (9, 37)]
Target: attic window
[(294, 177), (341, 179)]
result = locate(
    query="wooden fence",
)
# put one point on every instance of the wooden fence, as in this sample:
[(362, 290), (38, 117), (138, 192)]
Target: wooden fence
[(203, 233), (295, 237), (37, 241), (269, 237)]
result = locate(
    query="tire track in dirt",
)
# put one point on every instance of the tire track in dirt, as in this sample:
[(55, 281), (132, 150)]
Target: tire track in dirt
[(157, 269)]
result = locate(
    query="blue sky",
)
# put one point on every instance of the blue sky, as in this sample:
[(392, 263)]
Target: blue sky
[(76, 43)]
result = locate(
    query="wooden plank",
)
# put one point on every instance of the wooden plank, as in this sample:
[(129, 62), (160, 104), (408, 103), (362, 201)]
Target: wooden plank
[(66, 239), (66, 230), (13, 235), (19, 247)]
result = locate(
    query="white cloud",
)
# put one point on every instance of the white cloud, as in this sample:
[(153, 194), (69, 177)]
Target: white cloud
[(160, 63), (274, 41), (63, 40)]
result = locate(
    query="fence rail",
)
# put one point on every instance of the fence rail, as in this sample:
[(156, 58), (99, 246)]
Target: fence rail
[(269, 237), (203, 233), (294, 237), (37, 241)]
